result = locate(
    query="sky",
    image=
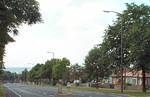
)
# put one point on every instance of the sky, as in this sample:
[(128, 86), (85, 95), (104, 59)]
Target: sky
[(70, 28)]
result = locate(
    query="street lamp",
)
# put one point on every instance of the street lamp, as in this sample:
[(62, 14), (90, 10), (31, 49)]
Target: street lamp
[(60, 86), (121, 36), (51, 53), (52, 67)]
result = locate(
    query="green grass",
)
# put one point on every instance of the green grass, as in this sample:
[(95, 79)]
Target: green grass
[(106, 90), (116, 91), (2, 90)]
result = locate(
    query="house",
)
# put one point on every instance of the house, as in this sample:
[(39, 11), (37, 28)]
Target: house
[(131, 77)]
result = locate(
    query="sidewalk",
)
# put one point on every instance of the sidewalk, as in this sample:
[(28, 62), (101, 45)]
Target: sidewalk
[(10, 93)]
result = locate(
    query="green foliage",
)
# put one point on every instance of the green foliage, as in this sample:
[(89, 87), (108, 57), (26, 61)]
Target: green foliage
[(60, 69), (24, 75), (135, 26), (47, 70), (139, 34), (95, 64), (138, 28), (77, 72), (35, 73), (14, 13), (20, 11), (8, 76), (52, 69)]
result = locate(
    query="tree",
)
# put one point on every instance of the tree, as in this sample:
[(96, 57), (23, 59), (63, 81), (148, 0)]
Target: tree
[(136, 38), (24, 75), (138, 24), (8, 76), (77, 72), (95, 65), (14, 13), (35, 73), (46, 70), (53, 70), (60, 69)]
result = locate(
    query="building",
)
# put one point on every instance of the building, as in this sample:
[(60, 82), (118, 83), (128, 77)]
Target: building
[(132, 78)]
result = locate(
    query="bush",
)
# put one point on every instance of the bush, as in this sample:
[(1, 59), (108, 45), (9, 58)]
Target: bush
[(128, 84)]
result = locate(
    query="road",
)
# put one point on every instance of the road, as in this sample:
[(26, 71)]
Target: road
[(21, 90)]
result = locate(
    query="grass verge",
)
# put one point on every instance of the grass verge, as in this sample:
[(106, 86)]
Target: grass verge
[(105, 90), (115, 91), (2, 90)]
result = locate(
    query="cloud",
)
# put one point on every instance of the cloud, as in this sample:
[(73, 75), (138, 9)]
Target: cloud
[(70, 29)]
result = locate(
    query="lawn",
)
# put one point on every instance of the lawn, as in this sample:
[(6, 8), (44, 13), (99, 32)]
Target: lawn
[(106, 90), (2, 90), (116, 91)]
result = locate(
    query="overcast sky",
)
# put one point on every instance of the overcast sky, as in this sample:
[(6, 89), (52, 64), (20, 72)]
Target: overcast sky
[(70, 29)]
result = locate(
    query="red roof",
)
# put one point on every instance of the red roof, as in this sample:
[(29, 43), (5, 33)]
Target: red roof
[(136, 74)]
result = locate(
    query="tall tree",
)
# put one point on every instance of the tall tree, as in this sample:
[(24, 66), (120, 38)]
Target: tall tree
[(35, 73), (95, 65), (24, 75), (137, 19), (75, 71), (60, 69), (53, 70), (14, 13), (135, 25), (46, 70)]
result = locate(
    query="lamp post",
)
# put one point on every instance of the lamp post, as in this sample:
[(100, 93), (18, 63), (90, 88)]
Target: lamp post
[(51, 53), (52, 67), (60, 81), (121, 36)]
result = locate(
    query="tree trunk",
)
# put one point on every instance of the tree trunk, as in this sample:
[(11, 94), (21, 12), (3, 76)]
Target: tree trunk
[(125, 79), (97, 82), (97, 78), (2, 52), (143, 79)]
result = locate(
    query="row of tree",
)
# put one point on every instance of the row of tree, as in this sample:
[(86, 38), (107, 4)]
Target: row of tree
[(54, 70), (8, 76), (103, 60), (133, 26)]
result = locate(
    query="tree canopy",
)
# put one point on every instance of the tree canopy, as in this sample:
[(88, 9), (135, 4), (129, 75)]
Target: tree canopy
[(95, 65), (136, 37), (14, 13), (52, 69), (133, 27)]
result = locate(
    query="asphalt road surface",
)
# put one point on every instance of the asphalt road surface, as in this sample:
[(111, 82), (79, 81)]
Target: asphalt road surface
[(21, 90)]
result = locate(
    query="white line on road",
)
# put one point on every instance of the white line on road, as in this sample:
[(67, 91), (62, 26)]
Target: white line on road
[(51, 95), (14, 92)]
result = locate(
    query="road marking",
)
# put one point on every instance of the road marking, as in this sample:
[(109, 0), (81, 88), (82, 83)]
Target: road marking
[(14, 92), (29, 92), (51, 95)]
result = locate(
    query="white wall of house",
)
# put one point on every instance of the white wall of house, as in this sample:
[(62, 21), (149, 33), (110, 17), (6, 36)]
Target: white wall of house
[(134, 80)]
